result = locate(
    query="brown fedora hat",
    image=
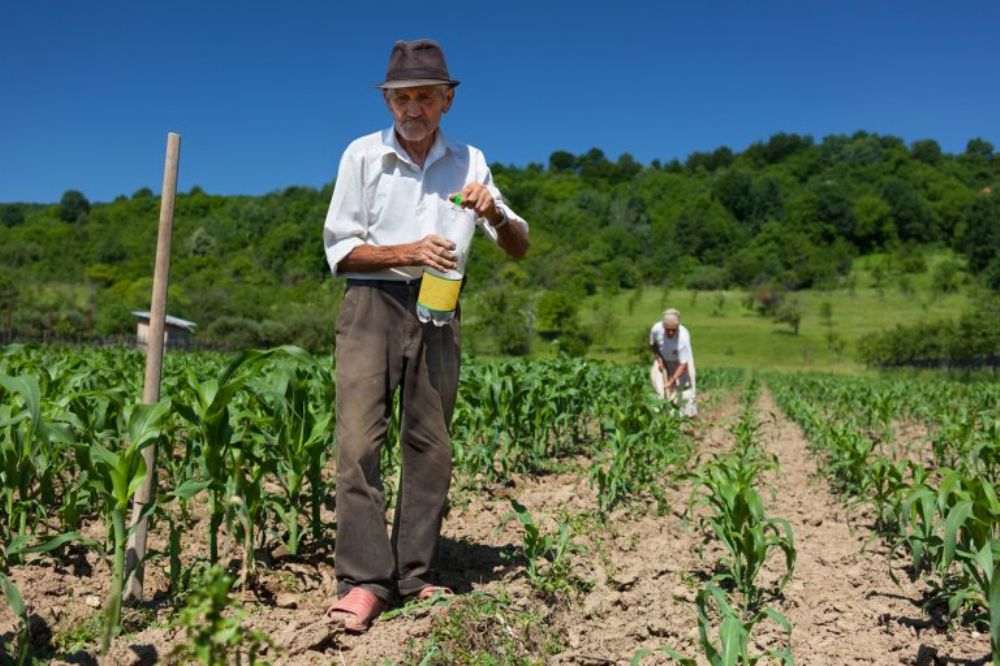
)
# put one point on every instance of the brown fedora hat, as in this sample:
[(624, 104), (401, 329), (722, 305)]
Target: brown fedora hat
[(417, 63)]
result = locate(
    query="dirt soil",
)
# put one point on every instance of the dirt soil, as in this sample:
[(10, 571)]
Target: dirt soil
[(642, 572), (842, 603)]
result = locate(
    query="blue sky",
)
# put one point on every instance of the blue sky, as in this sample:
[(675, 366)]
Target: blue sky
[(268, 94)]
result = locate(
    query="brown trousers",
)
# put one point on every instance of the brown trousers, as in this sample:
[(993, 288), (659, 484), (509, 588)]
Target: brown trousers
[(381, 345)]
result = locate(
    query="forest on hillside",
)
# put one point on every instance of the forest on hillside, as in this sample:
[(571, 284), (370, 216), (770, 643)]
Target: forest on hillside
[(785, 214)]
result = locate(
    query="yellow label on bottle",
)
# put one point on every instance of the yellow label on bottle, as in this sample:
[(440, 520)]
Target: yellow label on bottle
[(439, 294)]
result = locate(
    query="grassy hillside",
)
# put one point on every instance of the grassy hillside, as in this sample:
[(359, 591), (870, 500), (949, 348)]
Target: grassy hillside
[(725, 332)]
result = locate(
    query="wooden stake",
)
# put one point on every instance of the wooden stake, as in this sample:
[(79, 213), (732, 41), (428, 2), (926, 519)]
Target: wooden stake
[(136, 551)]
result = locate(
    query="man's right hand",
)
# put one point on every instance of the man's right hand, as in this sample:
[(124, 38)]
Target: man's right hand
[(433, 251)]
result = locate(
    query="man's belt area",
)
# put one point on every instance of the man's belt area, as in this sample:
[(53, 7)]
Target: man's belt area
[(383, 284), (389, 285)]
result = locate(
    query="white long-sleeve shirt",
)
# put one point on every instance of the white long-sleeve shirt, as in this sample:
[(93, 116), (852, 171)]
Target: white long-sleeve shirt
[(383, 198)]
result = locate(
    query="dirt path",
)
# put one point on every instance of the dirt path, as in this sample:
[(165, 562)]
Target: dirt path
[(843, 605)]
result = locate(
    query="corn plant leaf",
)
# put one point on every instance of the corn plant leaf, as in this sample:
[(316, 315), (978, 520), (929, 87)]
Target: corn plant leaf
[(953, 523), (61, 540), (186, 413), (734, 639), (102, 455), (710, 591), (144, 422), (189, 488), (14, 599), (56, 432), (27, 387), (779, 618), (984, 558), (137, 478), (16, 545), (670, 652)]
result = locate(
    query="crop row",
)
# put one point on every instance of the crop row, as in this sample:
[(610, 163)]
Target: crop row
[(732, 603), (943, 513)]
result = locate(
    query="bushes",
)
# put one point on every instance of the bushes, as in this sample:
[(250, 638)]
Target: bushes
[(708, 278), (972, 341), (242, 333)]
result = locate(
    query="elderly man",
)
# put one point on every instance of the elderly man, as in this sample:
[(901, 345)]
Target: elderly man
[(673, 363), (394, 190)]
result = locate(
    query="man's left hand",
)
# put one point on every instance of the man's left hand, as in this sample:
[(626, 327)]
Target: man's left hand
[(477, 197)]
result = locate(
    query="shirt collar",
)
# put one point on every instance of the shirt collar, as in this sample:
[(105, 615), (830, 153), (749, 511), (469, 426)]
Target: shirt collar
[(391, 145)]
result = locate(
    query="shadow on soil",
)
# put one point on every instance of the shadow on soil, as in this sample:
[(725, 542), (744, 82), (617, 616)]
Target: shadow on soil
[(462, 562), (930, 656)]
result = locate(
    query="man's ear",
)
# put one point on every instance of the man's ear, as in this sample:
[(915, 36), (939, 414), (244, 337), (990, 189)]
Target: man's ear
[(449, 97)]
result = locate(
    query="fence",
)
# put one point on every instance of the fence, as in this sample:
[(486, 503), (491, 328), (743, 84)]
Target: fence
[(10, 336)]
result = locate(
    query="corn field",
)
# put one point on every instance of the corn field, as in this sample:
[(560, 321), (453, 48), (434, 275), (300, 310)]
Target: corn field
[(578, 501)]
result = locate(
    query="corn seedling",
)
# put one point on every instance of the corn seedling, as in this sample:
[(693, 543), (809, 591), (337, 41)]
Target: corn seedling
[(214, 624), (732, 644), (115, 477), (547, 556)]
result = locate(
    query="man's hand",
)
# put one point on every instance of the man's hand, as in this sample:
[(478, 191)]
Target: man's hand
[(477, 197), (511, 237), (433, 251)]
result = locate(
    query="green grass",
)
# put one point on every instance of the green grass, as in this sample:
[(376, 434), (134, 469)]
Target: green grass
[(734, 336), (485, 630)]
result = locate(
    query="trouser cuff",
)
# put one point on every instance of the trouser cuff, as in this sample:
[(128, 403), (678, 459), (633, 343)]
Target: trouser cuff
[(410, 586), (380, 591)]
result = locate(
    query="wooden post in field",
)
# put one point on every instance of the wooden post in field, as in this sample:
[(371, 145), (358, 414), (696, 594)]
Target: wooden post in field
[(154, 363)]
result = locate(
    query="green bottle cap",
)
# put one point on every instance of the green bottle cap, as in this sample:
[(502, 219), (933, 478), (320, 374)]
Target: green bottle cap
[(457, 199)]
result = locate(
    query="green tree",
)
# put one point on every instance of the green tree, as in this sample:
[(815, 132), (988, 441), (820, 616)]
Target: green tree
[(778, 147), (947, 277), (556, 312), (705, 231), (594, 165), (979, 150), (202, 243), (874, 224), (790, 312), (911, 216), (8, 298), (733, 189), (834, 211), (11, 215), (627, 168), (927, 151), (982, 236), (561, 162), (768, 200), (73, 205)]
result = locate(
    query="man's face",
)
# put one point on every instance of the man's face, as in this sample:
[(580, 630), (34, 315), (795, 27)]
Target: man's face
[(417, 111), (670, 328)]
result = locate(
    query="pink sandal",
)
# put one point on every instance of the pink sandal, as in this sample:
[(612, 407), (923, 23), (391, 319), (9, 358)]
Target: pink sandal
[(429, 591), (356, 609)]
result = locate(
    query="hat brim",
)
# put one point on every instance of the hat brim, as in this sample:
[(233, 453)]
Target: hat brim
[(415, 83)]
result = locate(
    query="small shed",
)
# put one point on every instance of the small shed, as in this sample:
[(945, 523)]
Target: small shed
[(176, 332)]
